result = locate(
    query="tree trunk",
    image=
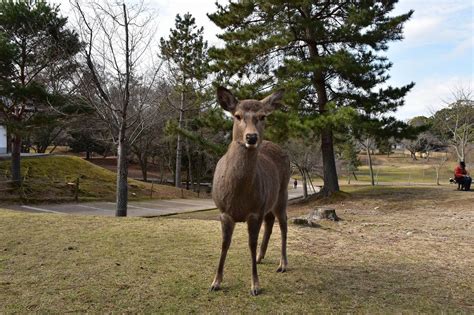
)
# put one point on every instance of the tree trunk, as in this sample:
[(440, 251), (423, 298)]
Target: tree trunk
[(369, 158), (198, 188), (16, 159), (331, 183), (179, 149), (187, 178), (144, 166), (41, 149), (122, 173), (190, 164), (54, 148), (437, 176), (88, 155), (162, 171), (305, 185)]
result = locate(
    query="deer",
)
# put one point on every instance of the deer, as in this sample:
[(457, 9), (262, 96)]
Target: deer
[(250, 181)]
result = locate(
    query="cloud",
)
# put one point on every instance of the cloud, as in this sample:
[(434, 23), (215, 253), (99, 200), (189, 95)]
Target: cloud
[(431, 94), (446, 21), (419, 28)]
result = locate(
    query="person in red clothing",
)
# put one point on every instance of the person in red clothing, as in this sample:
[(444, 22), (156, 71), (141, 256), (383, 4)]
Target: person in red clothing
[(462, 176)]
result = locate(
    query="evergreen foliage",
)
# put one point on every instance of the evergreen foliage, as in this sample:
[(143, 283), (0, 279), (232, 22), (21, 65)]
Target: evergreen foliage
[(33, 37), (186, 50), (328, 56)]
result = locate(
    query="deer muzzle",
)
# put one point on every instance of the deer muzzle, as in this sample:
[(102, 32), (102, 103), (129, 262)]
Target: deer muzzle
[(251, 140)]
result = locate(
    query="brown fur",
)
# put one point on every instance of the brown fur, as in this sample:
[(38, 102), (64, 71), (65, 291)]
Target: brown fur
[(251, 181)]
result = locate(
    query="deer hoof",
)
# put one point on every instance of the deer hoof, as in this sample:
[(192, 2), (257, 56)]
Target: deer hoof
[(254, 292), (281, 269), (215, 287)]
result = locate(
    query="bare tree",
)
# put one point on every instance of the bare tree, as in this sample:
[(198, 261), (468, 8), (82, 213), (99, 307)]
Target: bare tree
[(455, 122), (439, 164), (117, 40), (152, 121), (368, 143), (306, 157)]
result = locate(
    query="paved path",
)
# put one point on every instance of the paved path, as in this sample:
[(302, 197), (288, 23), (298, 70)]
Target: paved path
[(150, 208)]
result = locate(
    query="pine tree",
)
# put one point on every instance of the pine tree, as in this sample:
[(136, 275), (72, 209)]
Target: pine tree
[(186, 51), (33, 37), (326, 54)]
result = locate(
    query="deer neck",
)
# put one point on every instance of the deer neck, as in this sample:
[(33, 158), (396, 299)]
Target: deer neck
[(241, 163)]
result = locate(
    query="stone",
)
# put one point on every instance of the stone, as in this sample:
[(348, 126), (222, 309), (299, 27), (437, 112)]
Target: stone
[(316, 215), (324, 214), (304, 220)]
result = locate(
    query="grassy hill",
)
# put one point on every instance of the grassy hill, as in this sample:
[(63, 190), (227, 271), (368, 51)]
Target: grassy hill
[(50, 178)]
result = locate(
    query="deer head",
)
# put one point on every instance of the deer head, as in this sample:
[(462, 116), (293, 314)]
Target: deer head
[(249, 115)]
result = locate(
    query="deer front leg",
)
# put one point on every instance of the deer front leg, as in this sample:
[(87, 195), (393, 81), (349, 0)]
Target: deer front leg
[(227, 224), (268, 227), (253, 224)]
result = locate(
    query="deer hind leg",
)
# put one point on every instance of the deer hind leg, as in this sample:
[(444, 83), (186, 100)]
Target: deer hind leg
[(269, 220), (253, 224), (282, 221), (227, 224)]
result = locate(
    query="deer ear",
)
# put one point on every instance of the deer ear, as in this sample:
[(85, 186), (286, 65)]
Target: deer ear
[(272, 102), (226, 99)]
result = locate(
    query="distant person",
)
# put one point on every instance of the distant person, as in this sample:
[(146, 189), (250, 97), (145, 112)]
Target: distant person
[(462, 176), (295, 183)]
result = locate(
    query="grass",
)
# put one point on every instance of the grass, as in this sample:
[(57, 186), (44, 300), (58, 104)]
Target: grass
[(397, 169), (414, 174), (47, 178), (386, 256)]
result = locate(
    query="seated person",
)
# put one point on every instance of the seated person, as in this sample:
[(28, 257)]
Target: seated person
[(462, 176)]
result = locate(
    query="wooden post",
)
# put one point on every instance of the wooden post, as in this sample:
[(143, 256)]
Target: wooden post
[(151, 190), (76, 190)]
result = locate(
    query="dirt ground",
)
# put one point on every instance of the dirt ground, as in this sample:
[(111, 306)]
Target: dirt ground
[(423, 235), (402, 248)]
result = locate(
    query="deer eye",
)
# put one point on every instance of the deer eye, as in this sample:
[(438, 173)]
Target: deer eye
[(261, 118), (238, 117)]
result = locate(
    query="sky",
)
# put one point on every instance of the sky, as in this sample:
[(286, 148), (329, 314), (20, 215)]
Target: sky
[(437, 52)]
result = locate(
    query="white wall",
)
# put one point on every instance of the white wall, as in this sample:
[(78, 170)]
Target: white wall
[(3, 140)]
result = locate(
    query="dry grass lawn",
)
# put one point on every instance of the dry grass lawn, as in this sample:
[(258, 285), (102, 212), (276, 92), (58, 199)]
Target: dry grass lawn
[(52, 179), (398, 250)]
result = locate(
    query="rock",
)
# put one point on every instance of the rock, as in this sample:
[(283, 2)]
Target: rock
[(409, 233), (304, 220), (316, 215), (300, 220), (324, 214)]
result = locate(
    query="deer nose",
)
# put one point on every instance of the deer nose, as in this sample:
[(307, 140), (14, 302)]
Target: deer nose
[(251, 138)]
